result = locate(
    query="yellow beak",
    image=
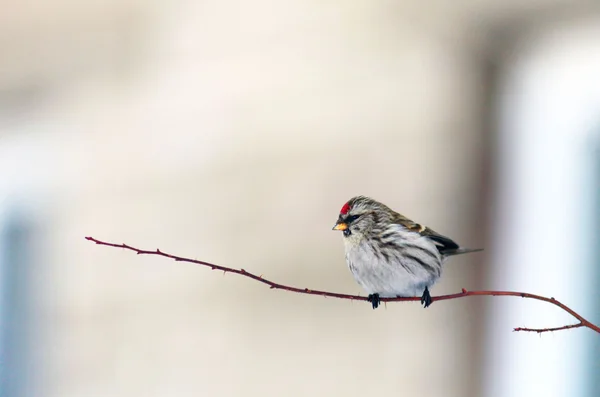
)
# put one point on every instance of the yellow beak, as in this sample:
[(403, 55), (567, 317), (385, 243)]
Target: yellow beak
[(340, 226)]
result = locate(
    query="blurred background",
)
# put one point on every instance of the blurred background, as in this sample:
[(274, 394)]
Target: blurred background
[(233, 132)]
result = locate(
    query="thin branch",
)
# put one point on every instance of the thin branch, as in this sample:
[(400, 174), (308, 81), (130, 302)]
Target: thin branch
[(582, 322), (540, 330)]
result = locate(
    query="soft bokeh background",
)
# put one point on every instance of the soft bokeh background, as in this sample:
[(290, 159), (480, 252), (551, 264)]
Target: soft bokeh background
[(233, 132)]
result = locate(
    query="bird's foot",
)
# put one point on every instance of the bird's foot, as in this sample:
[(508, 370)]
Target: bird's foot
[(374, 299), (426, 299)]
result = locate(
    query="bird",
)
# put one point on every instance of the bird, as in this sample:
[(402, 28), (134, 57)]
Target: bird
[(389, 254)]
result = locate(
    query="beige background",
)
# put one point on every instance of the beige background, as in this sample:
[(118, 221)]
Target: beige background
[(233, 132)]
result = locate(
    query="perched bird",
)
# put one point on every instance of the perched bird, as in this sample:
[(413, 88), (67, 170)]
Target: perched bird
[(390, 255)]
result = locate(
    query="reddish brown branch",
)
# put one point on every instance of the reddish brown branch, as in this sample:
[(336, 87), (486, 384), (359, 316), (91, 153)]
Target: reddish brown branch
[(582, 322)]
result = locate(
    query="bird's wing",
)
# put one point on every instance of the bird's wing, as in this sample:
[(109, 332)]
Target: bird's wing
[(444, 244)]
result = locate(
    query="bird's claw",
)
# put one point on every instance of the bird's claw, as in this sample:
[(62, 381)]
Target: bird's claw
[(374, 299), (426, 299)]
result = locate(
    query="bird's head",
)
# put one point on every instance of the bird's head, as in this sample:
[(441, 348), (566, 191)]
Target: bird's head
[(360, 215)]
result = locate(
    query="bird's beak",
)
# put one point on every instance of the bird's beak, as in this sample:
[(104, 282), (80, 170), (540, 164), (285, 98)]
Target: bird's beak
[(340, 226)]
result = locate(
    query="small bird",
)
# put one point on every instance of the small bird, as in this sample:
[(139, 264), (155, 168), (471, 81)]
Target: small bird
[(390, 255)]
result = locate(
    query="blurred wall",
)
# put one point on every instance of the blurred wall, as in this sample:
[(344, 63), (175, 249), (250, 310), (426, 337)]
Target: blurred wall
[(545, 190), (233, 132)]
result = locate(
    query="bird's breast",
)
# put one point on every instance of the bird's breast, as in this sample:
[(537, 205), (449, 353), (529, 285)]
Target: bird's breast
[(401, 271)]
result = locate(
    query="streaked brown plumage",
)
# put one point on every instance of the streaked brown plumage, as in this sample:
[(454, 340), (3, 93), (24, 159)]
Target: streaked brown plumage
[(389, 254)]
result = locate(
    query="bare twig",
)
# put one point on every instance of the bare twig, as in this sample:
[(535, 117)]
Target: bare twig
[(582, 322)]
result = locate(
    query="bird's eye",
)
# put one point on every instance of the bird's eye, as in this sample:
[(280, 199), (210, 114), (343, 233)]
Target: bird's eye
[(352, 218)]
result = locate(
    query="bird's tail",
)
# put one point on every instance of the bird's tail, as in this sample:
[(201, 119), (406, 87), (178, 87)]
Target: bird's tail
[(460, 251)]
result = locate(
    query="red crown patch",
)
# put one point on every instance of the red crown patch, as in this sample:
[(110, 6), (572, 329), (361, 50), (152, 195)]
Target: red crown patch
[(345, 209)]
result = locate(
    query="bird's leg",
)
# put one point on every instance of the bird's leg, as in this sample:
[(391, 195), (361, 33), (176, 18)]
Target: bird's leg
[(374, 299), (426, 298)]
